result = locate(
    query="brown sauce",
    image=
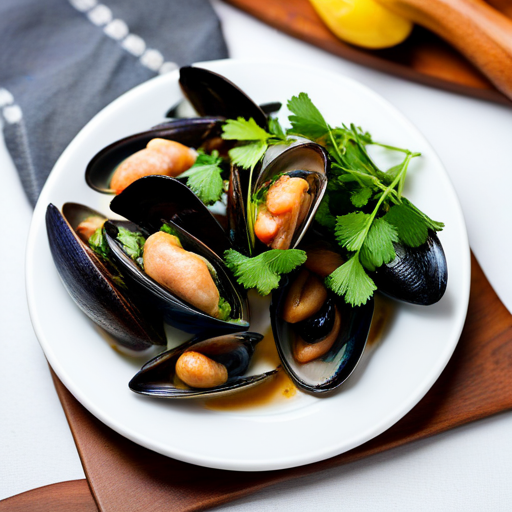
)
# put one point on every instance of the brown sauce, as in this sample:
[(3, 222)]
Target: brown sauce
[(382, 315), (278, 388)]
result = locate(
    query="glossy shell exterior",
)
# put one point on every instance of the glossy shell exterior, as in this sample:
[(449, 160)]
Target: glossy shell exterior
[(330, 371), (212, 94), (174, 310), (89, 283), (157, 377), (417, 275), (190, 132)]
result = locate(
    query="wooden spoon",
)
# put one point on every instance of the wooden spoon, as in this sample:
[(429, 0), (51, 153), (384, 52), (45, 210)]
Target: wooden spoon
[(481, 33)]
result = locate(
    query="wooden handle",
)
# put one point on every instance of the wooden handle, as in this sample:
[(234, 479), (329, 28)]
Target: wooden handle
[(481, 33)]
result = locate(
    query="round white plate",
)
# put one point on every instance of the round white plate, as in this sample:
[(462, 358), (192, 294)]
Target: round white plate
[(393, 377)]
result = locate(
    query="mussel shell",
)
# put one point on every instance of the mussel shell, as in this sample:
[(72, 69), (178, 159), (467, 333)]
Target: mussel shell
[(156, 378), (212, 94), (175, 310), (330, 371), (308, 161), (190, 132), (416, 275), (150, 199), (89, 283)]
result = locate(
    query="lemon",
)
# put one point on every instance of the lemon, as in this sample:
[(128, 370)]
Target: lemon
[(363, 22)]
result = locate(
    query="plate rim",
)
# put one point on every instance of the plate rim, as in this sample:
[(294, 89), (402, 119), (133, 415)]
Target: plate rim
[(236, 464)]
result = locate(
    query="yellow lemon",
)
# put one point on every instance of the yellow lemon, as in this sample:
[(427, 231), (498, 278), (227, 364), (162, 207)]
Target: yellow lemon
[(363, 22)]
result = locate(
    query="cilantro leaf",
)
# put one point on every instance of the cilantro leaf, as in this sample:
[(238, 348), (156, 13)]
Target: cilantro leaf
[(361, 196), (263, 272), (249, 155), (351, 230), (352, 282), (98, 243), (204, 178), (243, 129), (411, 227), (378, 246), (307, 119), (132, 242), (275, 128)]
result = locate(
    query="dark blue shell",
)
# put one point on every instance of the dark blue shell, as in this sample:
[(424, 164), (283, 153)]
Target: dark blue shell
[(339, 363), (89, 283), (234, 350)]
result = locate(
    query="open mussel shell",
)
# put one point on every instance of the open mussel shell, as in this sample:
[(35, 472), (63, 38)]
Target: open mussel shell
[(330, 371), (308, 161), (158, 377), (91, 284), (150, 199), (212, 94), (176, 311), (416, 275), (190, 132)]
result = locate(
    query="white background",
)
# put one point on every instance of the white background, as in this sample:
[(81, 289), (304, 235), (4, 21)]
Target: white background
[(466, 469)]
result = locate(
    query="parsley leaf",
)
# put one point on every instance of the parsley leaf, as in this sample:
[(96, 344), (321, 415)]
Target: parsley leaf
[(307, 119), (132, 242), (204, 178), (323, 215), (263, 272), (98, 243), (411, 227), (249, 155), (352, 282), (351, 230), (243, 129), (378, 246), (361, 196)]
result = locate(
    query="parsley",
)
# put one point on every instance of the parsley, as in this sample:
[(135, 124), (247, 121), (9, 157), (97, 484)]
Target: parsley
[(224, 309), (98, 243), (263, 272), (363, 207), (166, 228), (132, 243), (204, 177)]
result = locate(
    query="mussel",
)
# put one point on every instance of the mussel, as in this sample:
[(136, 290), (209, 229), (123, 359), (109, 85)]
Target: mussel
[(307, 161), (321, 351), (149, 211), (189, 132), (416, 275), (230, 355), (96, 289)]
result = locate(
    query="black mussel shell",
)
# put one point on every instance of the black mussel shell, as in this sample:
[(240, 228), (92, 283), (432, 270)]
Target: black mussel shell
[(157, 377), (334, 368), (190, 132), (149, 200), (236, 209), (175, 310), (90, 283), (212, 94), (417, 275), (184, 109)]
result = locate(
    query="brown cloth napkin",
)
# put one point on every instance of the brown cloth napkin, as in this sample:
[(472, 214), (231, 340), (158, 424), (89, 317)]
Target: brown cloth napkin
[(476, 383)]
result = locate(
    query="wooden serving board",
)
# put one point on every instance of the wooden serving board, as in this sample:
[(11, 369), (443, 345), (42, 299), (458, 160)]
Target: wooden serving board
[(126, 477), (423, 57)]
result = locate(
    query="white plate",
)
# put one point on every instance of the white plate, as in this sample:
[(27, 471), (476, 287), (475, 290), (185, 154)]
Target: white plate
[(396, 375)]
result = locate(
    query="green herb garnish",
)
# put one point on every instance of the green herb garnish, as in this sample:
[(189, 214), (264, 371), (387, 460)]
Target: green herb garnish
[(224, 309), (132, 243), (98, 243), (204, 177), (263, 272)]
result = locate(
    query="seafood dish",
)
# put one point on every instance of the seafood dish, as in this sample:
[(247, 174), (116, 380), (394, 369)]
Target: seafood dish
[(309, 219)]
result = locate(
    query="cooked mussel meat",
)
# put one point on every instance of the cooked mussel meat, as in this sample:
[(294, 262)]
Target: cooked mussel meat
[(182, 278), (319, 338), (168, 149), (201, 368), (97, 288)]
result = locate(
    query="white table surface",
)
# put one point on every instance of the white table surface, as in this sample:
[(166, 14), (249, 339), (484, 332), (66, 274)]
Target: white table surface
[(467, 469)]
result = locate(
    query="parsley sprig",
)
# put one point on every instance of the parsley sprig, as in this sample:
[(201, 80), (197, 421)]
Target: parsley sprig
[(204, 177), (263, 272), (363, 208)]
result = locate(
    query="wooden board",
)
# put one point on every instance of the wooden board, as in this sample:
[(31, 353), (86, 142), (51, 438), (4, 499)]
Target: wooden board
[(124, 476), (422, 58)]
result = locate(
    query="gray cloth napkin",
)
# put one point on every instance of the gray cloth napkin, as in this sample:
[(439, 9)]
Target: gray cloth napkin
[(61, 61)]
